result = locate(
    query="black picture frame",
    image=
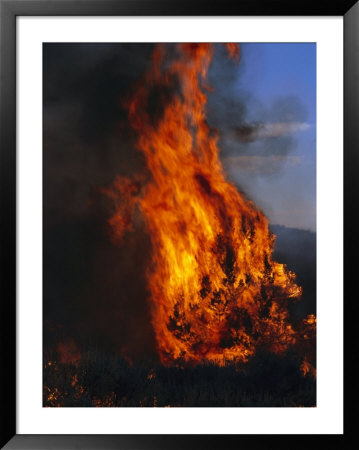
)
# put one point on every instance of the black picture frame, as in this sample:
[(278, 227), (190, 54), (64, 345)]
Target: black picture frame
[(9, 10)]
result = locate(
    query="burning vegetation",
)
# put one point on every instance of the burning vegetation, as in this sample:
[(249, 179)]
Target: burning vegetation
[(100, 380), (216, 293), (218, 299)]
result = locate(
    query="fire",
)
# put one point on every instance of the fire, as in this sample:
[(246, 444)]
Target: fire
[(216, 293), (307, 368), (68, 352)]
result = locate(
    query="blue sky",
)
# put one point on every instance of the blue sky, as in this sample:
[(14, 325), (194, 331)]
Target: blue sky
[(276, 167), (271, 70)]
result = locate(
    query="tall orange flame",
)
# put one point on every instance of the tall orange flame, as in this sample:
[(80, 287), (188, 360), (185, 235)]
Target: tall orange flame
[(216, 293)]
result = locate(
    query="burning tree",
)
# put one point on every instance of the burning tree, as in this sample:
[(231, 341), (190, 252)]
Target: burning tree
[(216, 294)]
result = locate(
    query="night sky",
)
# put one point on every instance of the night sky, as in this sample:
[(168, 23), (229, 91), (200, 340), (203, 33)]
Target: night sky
[(264, 111)]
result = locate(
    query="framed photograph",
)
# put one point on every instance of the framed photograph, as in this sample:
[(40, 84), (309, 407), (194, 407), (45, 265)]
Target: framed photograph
[(172, 222)]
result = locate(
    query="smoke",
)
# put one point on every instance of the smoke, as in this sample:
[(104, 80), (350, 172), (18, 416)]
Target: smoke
[(257, 131), (267, 143), (95, 291), (259, 137)]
